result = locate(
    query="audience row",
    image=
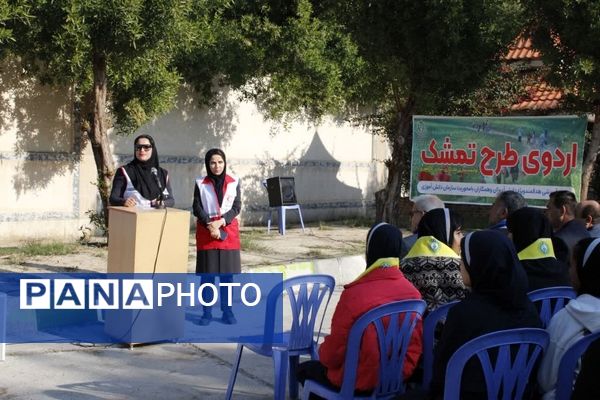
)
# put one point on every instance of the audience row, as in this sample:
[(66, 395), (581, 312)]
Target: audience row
[(490, 272)]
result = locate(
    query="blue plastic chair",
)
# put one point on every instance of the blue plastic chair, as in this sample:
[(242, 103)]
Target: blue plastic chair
[(393, 342), (509, 374), (429, 324), (551, 300), (2, 326), (281, 210), (308, 297), (568, 365)]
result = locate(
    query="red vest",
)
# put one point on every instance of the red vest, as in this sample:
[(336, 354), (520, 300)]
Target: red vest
[(211, 206)]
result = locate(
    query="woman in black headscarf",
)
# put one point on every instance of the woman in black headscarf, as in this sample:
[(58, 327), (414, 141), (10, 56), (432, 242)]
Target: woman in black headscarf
[(531, 233), (217, 203), (137, 183), (432, 264), (498, 301), (381, 283)]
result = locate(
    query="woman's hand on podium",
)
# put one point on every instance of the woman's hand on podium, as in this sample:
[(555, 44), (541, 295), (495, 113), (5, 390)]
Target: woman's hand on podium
[(130, 202)]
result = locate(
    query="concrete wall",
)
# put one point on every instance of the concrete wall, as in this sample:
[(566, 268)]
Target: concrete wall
[(47, 170), (46, 183), (332, 163)]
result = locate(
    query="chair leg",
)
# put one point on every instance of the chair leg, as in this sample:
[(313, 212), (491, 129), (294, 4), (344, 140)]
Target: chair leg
[(280, 366), (269, 221), (234, 371), (282, 220), (306, 389), (293, 382), (301, 220), (314, 351), (2, 326)]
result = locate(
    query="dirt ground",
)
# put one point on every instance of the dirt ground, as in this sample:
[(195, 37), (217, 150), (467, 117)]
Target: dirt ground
[(258, 249)]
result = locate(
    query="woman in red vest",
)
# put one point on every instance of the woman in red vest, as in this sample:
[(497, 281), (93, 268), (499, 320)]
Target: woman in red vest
[(216, 206)]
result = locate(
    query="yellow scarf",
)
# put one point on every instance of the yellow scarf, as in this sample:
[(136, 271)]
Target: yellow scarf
[(541, 248), (428, 246), (388, 262)]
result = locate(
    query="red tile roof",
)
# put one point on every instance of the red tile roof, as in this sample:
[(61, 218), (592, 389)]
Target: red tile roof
[(540, 96), (522, 49)]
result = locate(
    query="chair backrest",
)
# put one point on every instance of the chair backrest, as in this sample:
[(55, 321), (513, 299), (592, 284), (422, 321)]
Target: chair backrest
[(308, 297), (429, 324), (568, 365), (551, 300), (394, 323), (515, 351)]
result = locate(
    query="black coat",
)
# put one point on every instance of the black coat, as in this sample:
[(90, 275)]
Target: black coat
[(586, 386), (498, 301), (571, 233), (546, 272), (474, 316)]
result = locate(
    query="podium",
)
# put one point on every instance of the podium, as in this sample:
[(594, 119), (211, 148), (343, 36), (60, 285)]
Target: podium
[(134, 235), (146, 242)]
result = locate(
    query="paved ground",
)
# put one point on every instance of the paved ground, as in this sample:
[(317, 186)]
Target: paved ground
[(160, 371)]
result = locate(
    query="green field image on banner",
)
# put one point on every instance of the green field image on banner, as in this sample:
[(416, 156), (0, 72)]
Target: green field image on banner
[(469, 160)]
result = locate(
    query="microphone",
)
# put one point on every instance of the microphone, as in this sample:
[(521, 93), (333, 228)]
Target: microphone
[(154, 173)]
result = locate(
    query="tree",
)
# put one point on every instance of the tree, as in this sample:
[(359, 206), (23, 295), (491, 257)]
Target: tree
[(278, 54), (380, 61), (419, 55), (117, 55), (15, 10), (568, 35)]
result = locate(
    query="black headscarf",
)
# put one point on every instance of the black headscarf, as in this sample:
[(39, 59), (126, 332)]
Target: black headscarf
[(527, 225), (588, 272), (140, 172), (434, 224), (491, 261), (384, 240), (218, 180)]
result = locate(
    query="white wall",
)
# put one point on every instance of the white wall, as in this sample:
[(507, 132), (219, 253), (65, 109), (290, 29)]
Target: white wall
[(337, 167), (45, 184)]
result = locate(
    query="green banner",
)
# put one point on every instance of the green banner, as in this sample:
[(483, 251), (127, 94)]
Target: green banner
[(471, 159)]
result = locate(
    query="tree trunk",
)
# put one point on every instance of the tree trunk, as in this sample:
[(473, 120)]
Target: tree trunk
[(390, 196), (98, 134), (592, 154)]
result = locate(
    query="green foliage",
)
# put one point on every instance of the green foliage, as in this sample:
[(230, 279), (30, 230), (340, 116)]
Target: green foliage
[(499, 90), (426, 48), (250, 241), (10, 11), (48, 249), (314, 67), (568, 34), (5, 14), (98, 222), (62, 40), (39, 248), (278, 54)]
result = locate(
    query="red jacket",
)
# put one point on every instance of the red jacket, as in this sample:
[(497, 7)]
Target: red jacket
[(378, 287)]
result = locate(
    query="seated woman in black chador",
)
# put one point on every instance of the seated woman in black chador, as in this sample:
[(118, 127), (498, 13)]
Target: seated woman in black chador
[(498, 301), (532, 235), (137, 183)]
